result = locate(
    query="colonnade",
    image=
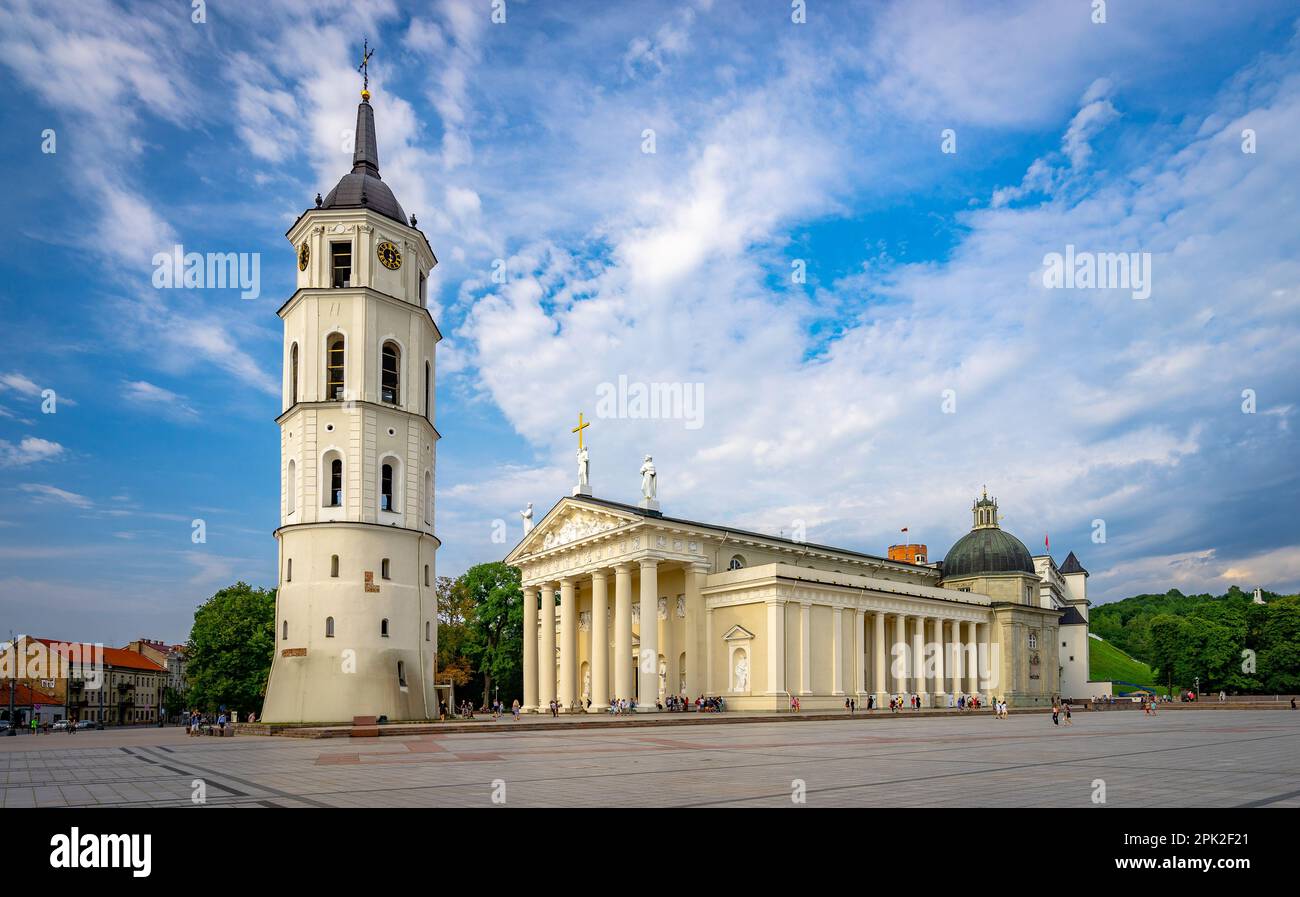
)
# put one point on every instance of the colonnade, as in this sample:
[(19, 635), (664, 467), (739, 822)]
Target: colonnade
[(633, 673), (893, 652)]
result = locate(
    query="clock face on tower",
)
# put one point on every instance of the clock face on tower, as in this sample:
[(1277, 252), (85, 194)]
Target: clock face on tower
[(389, 255), (304, 256)]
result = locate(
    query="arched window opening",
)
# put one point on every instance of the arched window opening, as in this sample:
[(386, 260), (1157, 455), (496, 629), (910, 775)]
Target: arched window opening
[(329, 627), (334, 497), (737, 563), (383, 627), (334, 566), (293, 374), (428, 394), (401, 673), (288, 571), (383, 568), (390, 378), (285, 631), (426, 574), (291, 488), (386, 488), (335, 356), (428, 630)]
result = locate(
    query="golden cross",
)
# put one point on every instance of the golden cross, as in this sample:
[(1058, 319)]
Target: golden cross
[(364, 68), (579, 428)]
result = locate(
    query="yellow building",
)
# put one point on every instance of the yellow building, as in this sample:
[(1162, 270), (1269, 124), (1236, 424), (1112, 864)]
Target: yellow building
[(759, 619)]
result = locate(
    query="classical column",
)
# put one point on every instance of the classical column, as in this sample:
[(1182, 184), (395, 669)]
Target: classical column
[(805, 648), (623, 667), (954, 660), (898, 654), (985, 672), (970, 661), (708, 651), (648, 659), (859, 652), (568, 643), (666, 643), (940, 699), (880, 682), (530, 647), (696, 647), (918, 658), (599, 652), (776, 647), (837, 650), (546, 650)]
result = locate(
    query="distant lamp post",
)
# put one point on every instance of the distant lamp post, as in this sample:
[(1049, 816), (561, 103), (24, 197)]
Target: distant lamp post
[(13, 682)]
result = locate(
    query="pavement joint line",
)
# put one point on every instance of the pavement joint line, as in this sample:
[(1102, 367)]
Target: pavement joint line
[(1019, 766), (220, 775), (1277, 798)]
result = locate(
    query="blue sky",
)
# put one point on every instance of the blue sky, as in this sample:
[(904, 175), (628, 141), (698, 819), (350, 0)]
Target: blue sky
[(776, 144)]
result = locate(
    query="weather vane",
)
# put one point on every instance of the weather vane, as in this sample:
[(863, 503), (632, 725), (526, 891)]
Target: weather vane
[(364, 68)]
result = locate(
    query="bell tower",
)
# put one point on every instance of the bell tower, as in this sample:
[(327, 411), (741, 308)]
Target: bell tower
[(356, 624)]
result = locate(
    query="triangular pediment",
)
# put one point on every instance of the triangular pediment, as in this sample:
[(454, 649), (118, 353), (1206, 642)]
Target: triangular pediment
[(737, 633), (570, 521)]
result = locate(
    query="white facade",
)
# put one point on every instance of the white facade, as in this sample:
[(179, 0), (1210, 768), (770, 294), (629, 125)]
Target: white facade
[(356, 612)]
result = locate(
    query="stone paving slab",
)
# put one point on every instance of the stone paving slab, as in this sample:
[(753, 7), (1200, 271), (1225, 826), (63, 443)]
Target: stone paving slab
[(1194, 758)]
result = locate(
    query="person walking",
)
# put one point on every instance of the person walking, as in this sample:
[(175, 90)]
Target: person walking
[(1056, 714), (1068, 720)]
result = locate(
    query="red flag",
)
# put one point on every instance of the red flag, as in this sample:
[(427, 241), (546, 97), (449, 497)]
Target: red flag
[(1047, 542)]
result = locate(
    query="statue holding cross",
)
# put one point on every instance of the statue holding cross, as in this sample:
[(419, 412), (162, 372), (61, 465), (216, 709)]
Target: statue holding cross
[(584, 479)]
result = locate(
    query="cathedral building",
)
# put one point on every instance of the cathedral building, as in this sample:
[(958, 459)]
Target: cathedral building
[(356, 622), (623, 602)]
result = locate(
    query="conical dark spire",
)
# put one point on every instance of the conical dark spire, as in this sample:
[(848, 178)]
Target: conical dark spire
[(362, 188), (1072, 565), (365, 157)]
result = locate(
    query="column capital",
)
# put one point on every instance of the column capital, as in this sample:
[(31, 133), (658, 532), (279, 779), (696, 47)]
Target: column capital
[(700, 566), (530, 590), (548, 587), (600, 574), (623, 568), (649, 563)]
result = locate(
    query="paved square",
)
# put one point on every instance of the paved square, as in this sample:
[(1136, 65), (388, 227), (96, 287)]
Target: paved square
[(1197, 758)]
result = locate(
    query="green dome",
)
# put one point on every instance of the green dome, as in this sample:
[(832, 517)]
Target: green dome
[(987, 550)]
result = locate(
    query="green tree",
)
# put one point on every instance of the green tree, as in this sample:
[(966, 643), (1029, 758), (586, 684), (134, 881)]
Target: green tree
[(497, 625), (1279, 647), (230, 649), (174, 702), (1171, 656)]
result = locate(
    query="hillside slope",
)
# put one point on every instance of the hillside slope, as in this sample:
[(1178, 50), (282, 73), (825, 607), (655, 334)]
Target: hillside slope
[(1106, 662)]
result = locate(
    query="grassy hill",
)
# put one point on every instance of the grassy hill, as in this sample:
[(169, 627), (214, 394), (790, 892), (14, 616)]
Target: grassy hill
[(1106, 662)]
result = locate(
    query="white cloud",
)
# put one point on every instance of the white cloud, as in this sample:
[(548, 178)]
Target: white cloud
[(28, 451), (173, 405), (52, 494)]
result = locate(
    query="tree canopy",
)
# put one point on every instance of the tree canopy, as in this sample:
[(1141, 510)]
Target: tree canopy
[(1226, 641), (480, 631), (230, 649)]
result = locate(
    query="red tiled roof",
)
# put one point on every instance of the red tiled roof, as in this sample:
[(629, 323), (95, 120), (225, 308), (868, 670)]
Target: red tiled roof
[(113, 657), (25, 697)]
